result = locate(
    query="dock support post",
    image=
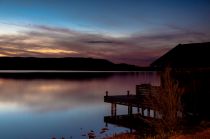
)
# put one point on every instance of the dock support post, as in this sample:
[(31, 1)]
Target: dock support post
[(130, 111), (142, 111), (106, 93), (138, 110), (131, 130), (148, 112), (114, 109), (128, 93), (154, 114)]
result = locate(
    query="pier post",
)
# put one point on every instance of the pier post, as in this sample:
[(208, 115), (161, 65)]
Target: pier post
[(148, 112), (106, 125), (131, 130), (128, 93), (106, 93), (154, 114), (138, 110), (114, 109), (142, 111), (130, 111)]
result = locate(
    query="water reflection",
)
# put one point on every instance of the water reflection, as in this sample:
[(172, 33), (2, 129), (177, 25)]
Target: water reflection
[(59, 106), (47, 95)]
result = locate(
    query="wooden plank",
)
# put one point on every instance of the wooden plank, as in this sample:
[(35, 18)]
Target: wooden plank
[(133, 101)]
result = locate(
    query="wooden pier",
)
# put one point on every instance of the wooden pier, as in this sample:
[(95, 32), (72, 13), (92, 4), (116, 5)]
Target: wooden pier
[(145, 109), (139, 101)]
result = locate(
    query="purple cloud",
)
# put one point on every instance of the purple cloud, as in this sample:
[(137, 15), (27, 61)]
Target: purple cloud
[(139, 49)]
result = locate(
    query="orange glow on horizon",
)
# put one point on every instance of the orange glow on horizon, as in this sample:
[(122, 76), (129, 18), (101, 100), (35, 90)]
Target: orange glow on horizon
[(51, 51), (3, 55)]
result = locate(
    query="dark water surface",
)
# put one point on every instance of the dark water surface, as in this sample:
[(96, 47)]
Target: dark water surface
[(43, 108)]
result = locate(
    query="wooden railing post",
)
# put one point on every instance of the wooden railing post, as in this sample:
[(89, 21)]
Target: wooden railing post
[(148, 112), (130, 110), (154, 114), (138, 109), (107, 93), (128, 93), (142, 110)]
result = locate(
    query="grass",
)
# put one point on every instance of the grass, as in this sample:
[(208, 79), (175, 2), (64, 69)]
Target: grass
[(167, 101), (124, 136), (204, 134)]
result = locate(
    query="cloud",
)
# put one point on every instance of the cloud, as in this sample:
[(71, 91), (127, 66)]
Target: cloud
[(53, 29), (139, 48), (2, 55), (51, 51), (99, 42)]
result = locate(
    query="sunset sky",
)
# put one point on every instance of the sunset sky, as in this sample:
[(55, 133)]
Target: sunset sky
[(129, 31)]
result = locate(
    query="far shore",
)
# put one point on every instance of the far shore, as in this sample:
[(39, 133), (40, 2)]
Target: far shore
[(70, 71), (62, 74)]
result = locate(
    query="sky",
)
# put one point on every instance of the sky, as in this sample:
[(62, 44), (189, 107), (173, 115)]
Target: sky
[(122, 31)]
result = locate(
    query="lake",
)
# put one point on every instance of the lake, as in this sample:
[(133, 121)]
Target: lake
[(42, 108)]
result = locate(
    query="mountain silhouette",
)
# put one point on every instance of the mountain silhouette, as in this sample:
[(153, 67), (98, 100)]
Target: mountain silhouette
[(69, 63), (193, 55)]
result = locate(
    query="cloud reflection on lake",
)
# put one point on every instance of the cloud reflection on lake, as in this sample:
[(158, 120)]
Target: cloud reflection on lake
[(42, 95)]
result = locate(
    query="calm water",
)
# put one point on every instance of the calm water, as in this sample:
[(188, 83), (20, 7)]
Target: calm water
[(43, 108)]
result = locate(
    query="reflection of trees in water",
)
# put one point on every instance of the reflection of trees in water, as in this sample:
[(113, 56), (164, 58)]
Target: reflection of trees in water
[(57, 75)]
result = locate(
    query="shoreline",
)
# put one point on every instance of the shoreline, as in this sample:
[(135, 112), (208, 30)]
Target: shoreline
[(70, 71), (199, 134)]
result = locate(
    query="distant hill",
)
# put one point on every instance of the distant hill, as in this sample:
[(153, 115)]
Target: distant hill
[(69, 63)]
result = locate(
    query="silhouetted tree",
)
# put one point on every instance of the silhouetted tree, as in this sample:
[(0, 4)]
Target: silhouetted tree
[(167, 101)]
